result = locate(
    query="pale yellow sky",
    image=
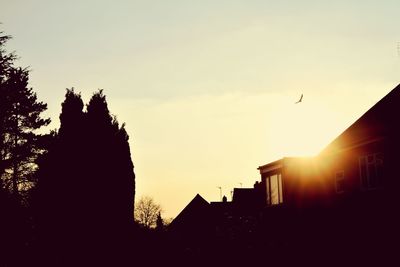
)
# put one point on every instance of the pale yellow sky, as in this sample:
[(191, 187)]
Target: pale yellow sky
[(207, 88), (192, 145)]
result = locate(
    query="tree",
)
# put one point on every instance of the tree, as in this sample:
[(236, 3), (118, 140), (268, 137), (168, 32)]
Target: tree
[(20, 118), (159, 223), (147, 211), (60, 193), (110, 163), (167, 221), (6, 64), (86, 182), (20, 146)]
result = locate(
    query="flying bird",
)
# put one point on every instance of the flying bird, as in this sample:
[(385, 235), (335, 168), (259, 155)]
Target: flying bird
[(300, 100)]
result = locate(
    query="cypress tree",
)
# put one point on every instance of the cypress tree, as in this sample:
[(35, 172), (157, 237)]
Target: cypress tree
[(110, 161), (59, 198), (86, 182)]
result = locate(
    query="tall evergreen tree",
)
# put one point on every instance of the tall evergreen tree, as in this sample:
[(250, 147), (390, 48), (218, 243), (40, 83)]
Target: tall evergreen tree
[(59, 200), (20, 117), (6, 65), (86, 184), (20, 146), (110, 160)]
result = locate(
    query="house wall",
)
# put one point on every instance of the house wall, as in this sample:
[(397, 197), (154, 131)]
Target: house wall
[(304, 183), (311, 182), (348, 161)]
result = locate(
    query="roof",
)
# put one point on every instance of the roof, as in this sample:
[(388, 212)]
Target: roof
[(374, 124), (271, 166), (195, 210), (243, 195)]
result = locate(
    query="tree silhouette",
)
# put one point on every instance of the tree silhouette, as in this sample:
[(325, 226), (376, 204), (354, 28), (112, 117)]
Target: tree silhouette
[(20, 116), (159, 223), (86, 184), (20, 147), (110, 162), (147, 211), (58, 198)]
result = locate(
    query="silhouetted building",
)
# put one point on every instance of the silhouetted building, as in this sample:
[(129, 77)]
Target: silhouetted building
[(347, 196), (359, 166), (193, 224)]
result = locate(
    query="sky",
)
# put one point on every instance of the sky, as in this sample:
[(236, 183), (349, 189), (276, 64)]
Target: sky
[(207, 88)]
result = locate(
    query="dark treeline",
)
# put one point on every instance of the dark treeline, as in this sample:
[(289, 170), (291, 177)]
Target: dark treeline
[(66, 198)]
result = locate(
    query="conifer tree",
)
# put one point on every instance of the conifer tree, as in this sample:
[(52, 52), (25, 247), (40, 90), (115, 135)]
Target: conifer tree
[(86, 184), (20, 146), (20, 117), (159, 222), (110, 161), (6, 65), (58, 198)]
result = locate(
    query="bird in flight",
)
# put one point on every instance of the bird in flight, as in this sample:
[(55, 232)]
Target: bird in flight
[(300, 100)]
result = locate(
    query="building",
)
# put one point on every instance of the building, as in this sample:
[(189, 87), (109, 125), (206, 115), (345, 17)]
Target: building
[(347, 197), (358, 167)]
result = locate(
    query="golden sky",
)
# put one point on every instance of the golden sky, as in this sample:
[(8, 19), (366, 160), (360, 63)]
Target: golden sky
[(207, 88)]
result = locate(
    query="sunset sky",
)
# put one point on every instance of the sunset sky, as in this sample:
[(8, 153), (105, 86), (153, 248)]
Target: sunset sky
[(207, 88)]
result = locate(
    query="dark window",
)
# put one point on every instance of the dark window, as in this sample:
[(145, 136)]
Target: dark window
[(371, 171)]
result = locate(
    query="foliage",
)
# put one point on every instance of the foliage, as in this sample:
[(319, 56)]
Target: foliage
[(109, 162), (20, 148), (147, 212), (20, 118), (87, 181), (159, 222)]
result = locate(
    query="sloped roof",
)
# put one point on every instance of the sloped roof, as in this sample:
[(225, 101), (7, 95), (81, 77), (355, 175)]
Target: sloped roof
[(197, 209), (376, 123)]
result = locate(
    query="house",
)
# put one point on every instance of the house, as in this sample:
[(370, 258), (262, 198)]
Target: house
[(347, 196), (218, 219), (196, 215), (363, 159), (358, 167)]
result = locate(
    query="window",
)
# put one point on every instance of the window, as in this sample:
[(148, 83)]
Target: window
[(274, 189), (339, 182), (371, 171)]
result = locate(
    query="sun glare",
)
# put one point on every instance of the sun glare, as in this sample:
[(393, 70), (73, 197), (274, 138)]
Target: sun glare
[(302, 129)]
